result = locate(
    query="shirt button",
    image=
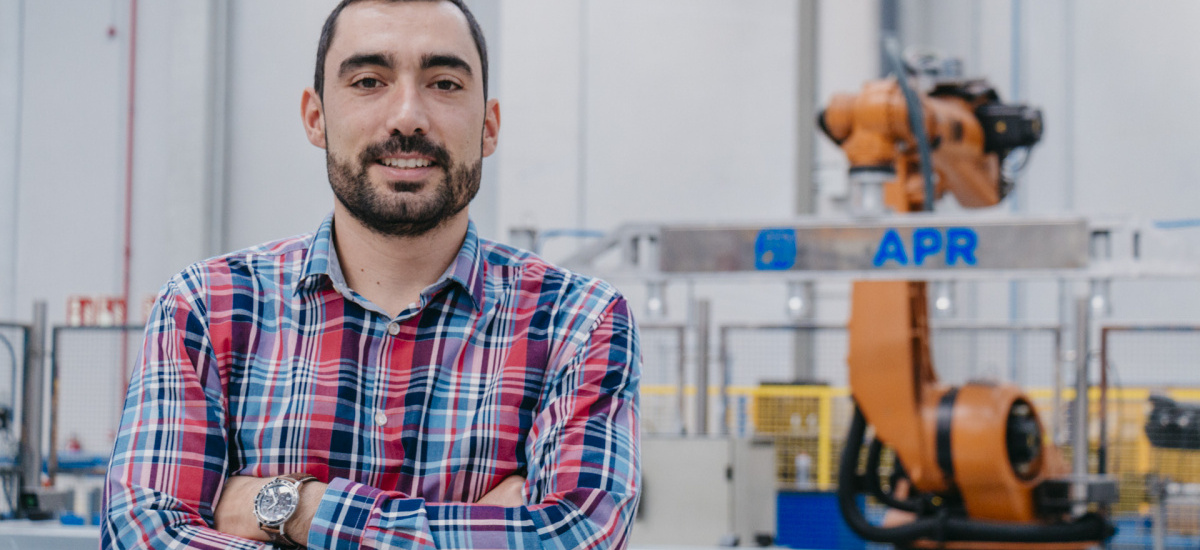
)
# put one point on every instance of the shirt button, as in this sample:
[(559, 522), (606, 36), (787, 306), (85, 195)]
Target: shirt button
[(393, 328), (380, 418)]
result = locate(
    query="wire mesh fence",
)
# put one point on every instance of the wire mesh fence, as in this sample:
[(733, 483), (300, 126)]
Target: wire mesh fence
[(13, 341), (782, 354), (12, 360), (1151, 431), (663, 400), (90, 366)]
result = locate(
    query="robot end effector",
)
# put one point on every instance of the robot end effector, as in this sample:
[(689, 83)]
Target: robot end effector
[(970, 131)]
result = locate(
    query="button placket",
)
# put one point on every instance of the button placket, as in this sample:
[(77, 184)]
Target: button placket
[(381, 416)]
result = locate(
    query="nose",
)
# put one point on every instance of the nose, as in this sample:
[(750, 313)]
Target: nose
[(407, 112)]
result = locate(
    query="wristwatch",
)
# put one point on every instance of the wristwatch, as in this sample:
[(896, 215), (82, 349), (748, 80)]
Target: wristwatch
[(275, 504)]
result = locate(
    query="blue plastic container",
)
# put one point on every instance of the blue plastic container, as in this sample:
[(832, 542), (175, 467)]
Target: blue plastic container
[(811, 519)]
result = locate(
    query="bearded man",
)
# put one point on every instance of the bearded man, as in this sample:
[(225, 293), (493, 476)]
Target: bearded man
[(392, 380)]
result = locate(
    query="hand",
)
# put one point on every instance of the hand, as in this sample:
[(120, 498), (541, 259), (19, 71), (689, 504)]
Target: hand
[(509, 493), (235, 510)]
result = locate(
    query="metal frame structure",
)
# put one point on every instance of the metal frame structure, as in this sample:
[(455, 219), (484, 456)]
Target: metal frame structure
[(979, 247), (10, 473), (25, 474), (1026, 248)]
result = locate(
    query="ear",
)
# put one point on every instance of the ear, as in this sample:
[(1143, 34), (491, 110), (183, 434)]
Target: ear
[(313, 115), (491, 126)]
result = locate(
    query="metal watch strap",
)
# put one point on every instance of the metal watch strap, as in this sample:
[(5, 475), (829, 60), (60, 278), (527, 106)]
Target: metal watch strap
[(277, 534)]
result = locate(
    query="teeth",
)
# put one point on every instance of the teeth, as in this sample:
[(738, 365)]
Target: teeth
[(406, 163)]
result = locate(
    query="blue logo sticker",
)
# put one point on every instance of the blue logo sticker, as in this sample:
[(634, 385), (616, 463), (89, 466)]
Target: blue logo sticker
[(775, 249)]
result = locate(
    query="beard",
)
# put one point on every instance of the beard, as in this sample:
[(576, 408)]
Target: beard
[(399, 211)]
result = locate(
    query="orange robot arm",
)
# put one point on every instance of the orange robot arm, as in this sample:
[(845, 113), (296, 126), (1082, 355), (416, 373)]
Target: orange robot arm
[(977, 448)]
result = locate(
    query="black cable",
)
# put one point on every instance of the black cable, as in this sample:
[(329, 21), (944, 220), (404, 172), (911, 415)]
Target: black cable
[(6, 485), (916, 116), (875, 484)]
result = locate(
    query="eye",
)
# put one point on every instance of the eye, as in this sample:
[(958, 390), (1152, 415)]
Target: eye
[(367, 83), (446, 85)]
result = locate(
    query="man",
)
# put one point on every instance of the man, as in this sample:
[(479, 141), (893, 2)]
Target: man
[(418, 386)]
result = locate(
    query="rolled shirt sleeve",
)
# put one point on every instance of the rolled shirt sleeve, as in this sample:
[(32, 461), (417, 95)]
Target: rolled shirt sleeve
[(169, 458)]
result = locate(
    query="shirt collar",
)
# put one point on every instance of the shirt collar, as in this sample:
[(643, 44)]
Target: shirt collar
[(321, 263)]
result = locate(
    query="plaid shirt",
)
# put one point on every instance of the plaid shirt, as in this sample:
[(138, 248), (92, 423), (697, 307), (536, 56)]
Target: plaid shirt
[(264, 362)]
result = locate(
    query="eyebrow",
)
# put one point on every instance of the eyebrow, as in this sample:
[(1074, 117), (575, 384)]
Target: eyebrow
[(448, 60), (365, 60)]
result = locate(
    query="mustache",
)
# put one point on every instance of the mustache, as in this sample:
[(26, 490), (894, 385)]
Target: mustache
[(400, 143)]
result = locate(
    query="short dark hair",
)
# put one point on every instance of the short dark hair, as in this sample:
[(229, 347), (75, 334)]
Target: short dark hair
[(331, 25)]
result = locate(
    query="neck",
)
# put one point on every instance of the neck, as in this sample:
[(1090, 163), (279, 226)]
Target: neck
[(392, 271)]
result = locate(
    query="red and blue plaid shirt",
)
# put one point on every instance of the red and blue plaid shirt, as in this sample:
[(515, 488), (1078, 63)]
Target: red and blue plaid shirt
[(263, 362)]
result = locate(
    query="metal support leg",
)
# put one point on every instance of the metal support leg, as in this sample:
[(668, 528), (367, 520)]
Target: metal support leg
[(1158, 487), (702, 334), (1080, 428), (31, 414)]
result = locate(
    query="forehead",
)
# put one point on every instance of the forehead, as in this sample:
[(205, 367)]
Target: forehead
[(407, 30)]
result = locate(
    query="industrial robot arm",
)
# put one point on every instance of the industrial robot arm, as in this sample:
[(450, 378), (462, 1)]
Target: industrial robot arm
[(972, 456)]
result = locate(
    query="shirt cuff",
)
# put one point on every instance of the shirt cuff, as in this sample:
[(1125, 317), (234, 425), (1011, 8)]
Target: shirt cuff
[(342, 516)]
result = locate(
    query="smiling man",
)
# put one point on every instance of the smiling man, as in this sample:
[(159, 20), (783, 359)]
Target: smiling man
[(391, 380)]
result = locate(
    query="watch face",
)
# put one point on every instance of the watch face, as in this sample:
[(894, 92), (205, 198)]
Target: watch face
[(275, 502)]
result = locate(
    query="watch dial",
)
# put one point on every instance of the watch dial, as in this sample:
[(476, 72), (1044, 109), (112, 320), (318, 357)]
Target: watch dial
[(275, 502)]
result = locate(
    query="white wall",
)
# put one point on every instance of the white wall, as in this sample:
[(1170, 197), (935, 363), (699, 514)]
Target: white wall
[(684, 101), (276, 179), (66, 235), (68, 199)]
